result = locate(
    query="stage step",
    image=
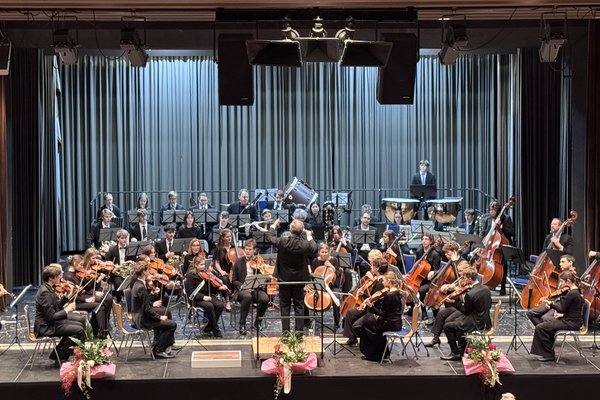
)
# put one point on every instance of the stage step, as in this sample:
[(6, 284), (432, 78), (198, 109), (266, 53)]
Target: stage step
[(216, 359)]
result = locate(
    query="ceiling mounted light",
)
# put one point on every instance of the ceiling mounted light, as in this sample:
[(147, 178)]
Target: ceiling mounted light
[(454, 39), (133, 46), (360, 53), (318, 47), (65, 46), (285, 52), (552, 38)]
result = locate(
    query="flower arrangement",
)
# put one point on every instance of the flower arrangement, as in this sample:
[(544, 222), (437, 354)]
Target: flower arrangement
[(483, 357), (90, 359), (289, 357), (105, 247)]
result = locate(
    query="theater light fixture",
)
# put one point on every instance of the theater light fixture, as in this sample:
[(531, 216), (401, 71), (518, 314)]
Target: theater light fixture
[(65, 46), (285, 52), (318, 47), (454, 39), (361, 53), (552, 38), (133, 46)]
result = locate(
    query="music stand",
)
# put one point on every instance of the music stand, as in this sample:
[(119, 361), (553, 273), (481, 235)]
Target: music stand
[(474, 240), (132, 217), (421, 227), (423, 191), (108, 234), (153, 232), (206, 216), (134, 249), (363, 237), (318, 232), (344, 259), (262, 238), (15, 304), (180, 245), (283, 215), (515, 255), (173, 216)]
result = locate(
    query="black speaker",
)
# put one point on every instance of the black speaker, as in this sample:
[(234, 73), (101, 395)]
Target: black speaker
[(396, 81), (236, 82)]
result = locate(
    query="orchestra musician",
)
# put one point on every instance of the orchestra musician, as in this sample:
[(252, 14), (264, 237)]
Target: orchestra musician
[(366, 208), (541, 313), (278, 203), (164, 248), (314, 216), (189, 229), (449, 312), (203, 203), (105, 223), (508, 229), (266, 217), (570, 310), (293, 252), (434, 259), (341, 244), (108, 205), (140, 231), (223, 259), (90, 294), (52, 315), (242, 206), (382, 315), (117, 254), (207, 295), (470, 225), (243, 267), (423, 177), (563, 243), (364, 248), (393, 249), (323, 259), (171, 205), (146, 317), (474, 304)]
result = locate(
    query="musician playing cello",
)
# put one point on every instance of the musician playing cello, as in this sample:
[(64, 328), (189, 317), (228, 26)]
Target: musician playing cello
[(242, 268), (433, 258), (474, 303), (323, 259), (508, 229)]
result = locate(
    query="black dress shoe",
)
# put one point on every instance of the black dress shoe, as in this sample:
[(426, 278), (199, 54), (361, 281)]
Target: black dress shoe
[(363, 357), (163, 354), (433, 342), (544, 359), (451, 357), (217, 333), (175, 348), (351, 342)]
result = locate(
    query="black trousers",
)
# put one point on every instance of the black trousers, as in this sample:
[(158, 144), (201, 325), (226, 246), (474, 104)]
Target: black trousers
[(353, 315), (246, 297), (287, 295), (164, 335), (456, 337), (67, 328), (212, 311), (446, 314), (543, 337), (540, 314)]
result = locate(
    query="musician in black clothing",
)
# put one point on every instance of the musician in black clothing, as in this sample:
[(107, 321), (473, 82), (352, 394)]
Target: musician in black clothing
[(475, 308), (434, 259), (242, 268), (164, 248), (188, 229), (393, 248), (505, 223), (52, 315), (561, 242), (242, 206), (571, 309), (207, 296)]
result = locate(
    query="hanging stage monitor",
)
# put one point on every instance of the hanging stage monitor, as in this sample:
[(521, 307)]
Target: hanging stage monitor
[(285, 53), (396, 82), (236, 80)]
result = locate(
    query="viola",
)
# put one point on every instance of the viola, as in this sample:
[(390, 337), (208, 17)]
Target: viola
[(355, 298), (555, 294), (214, 280), (489, 264), (543, 279)]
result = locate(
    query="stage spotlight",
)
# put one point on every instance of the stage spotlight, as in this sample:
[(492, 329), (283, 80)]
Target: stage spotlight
[(285, 52), (550, 43), (5, 50), (454, 39), (318, 47), (134, 47), (65, 46), (359, 53)]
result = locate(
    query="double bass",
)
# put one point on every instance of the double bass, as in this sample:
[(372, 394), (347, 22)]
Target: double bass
[(544, 277), (489, 264)]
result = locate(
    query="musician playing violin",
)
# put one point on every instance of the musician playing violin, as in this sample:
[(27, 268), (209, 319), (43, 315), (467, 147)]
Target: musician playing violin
[(90, 294), (223, 260), (508, 229), (213, 307), (383, 313), (474, 304), (541, 313), (563, 243), (570, 309), (393, 249), (243, 267), (51, 318)]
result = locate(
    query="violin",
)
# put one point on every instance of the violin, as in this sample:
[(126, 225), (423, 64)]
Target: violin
[(258, 263), (214, 280), (373, 298), (106, 266), (389, 257), (64, 288)]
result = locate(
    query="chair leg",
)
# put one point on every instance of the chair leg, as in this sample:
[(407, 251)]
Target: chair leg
[(389, 345), (564, 337), (33, 355)]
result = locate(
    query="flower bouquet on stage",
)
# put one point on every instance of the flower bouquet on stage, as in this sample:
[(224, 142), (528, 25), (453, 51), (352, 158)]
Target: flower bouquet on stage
[(90, 360), (483, 358), (289, 358)]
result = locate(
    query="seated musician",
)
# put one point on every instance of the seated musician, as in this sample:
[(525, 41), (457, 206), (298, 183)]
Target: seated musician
[(188, 229), (52, 315), (242, 206), (110, 206), (448, 313), (341, 244), (323, 259), (383, 313), (141, 230), (541, 313), (105, 222), (427, 250), (91, 293), (370, 283), (224, 256), (146, 317), (207, 295), (470, 225), (364, 248), (473, 301), (570, 310), (117, 254), (93, 260), (144, 203), (203, 203), (393, 249), (242, 268), (314, 216), (164, 248), (366, 208), (301, 215), (171, 205), (261, 226), (166, 276), (278, 204)]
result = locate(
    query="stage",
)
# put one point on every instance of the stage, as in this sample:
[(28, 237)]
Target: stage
[(342, 375)]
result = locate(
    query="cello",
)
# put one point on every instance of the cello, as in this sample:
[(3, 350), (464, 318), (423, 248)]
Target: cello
[(434, 297), (544, 277), (591, 286), (421, 269), (317, 299), (489, 264)]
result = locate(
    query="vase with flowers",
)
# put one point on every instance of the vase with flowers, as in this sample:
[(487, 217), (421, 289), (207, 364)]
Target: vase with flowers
[(288, 358), (91, 359), (483, 357)]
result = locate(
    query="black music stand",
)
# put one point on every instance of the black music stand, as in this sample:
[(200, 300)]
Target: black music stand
[(196, 338), (262, 238), (320, 287), (108, 234), (132, 217), (474, 241), (344, 259), (514, 254), (254, 282), (421, 227), (15, 304), (180, 245), (283, 215), (134, 249), (173, 216), (363, 237)]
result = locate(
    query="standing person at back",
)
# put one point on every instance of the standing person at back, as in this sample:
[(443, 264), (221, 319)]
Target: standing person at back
[(292, 266)]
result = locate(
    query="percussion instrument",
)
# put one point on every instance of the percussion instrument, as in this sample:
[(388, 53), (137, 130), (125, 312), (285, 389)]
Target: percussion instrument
[(444, 211), (299, 193), (408, 208)]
